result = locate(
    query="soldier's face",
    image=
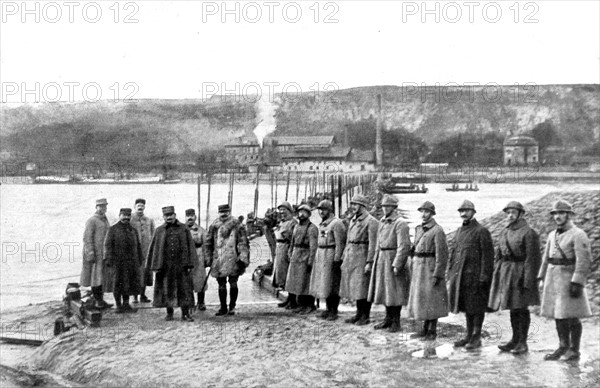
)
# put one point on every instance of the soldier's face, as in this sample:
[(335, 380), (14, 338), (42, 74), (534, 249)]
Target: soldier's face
[(324, 213), (356, 208), (125, 218), (388, 209), (169, 218), (426, 215), (512, 215), (466, 215), (560, 218), (101, 209), (139, 208), (190, 220), (303, 215), (224, 215), (284, 213)]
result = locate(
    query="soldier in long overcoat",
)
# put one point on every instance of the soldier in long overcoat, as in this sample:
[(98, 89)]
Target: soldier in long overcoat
[(470, 274), (358, 258), (122, 257), (566, 264), (303, 249), (172, 256), (92, 269), (389, 278), (199, 272), (145, 228), (514, 284), (228, 251), (326, 273), (428, 298), (283, 237)]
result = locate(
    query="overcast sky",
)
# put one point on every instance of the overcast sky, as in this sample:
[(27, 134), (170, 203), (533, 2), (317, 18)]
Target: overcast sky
[(183, 49)]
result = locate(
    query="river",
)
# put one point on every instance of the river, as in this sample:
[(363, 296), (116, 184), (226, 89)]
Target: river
[(42, 225)]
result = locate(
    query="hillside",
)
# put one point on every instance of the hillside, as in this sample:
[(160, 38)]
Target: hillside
[(165, 128)]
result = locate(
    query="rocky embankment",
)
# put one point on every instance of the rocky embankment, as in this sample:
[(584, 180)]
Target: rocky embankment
[(587, 217)]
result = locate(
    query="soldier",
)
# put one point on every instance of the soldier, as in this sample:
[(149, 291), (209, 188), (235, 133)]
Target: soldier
[(358, 259), (303, 248), (199, 272), (283, 237), (470, 274), (514, 285), (428, 298), (123, 256), (326, 273), (96, 228), (565, 266), (389, 279), (172, 256), (145, 228), (227, 248), (270, 222)]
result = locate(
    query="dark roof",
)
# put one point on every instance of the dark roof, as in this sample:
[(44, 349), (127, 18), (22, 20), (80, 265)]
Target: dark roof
[(520, 141), (300, 140), (332, 153), (243, 141)]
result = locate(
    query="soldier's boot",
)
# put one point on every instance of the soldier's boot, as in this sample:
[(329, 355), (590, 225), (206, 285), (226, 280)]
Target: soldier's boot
[(293, 302), (514, 324), (431, 330), (285, 303), (119, 303), (468, 334), (395, 326), (423, 332), (233, 295), (475, 342), (126, 306), (185, 315), (223, 301), (358, 314), (387, 321), (101, 299), (201, 306), (575, 329), (562, 328), (325, 314), (365, 313), (170, 312), (334, 302), (309, 304), (143, 297), (524, 320)]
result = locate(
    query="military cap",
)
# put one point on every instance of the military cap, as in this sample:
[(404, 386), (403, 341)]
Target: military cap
[(101, 201), (389, 200), (286, 205), (168, 210), (427, 206), (514, 205), (306, 208), (325, 204), (361, 200), (562, 206), (224, 208), (125, 211), (467, 205), (190, 212), (140, 200)]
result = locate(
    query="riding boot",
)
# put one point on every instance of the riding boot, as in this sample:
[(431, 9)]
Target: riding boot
[(327, 311), (223, 301), (358, 314), (233, 295), (119, 303), (309, 304), (185, 315), (423, 332), (395, 326), (475, 341), (143, 297), (201, 306), (575, 331), (431, 330), (293, 302), (562, 328), (334, 302), (170, 312), (387, 321), (524, 320), (514, 324), (365, 311)]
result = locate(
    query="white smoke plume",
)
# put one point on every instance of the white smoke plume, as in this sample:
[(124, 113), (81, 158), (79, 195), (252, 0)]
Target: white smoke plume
[(265, 116)]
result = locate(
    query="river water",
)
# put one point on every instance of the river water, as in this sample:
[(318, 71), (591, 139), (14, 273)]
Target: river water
[(42, 225)]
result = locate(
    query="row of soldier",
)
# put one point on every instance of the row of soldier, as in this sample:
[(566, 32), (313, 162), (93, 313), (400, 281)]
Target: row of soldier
[(369, 261), (361, 259)]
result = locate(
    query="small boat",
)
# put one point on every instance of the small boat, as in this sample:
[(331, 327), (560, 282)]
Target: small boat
[(469, 187), (399, 188)]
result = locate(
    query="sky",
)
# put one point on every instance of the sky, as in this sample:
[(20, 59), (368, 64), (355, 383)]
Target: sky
[(87, 50)]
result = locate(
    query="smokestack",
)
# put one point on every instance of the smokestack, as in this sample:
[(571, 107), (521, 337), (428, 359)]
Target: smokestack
[(378, 145)]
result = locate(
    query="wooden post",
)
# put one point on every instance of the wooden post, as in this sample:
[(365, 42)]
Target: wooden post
[(271, 184), (378, 134), (331, 187), (209, 178), (287, 186), (339, 196), (276, 181), (297, 186), (199, 197), (305, 187), (256, 192)]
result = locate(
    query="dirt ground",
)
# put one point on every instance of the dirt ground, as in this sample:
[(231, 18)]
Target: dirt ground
[(264, 346)]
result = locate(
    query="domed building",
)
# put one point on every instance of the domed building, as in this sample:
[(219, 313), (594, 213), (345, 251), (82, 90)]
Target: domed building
[(521, 150)]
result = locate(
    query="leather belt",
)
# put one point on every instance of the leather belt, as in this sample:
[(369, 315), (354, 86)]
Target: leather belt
[(326, 246), (283, 241), (561, 261), (424, 254), (388, 249), (359, 242)]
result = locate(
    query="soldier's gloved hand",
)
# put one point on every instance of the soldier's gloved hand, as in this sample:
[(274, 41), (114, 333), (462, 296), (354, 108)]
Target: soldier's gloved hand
[(575, 290), (436, 281), (368, 268)]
